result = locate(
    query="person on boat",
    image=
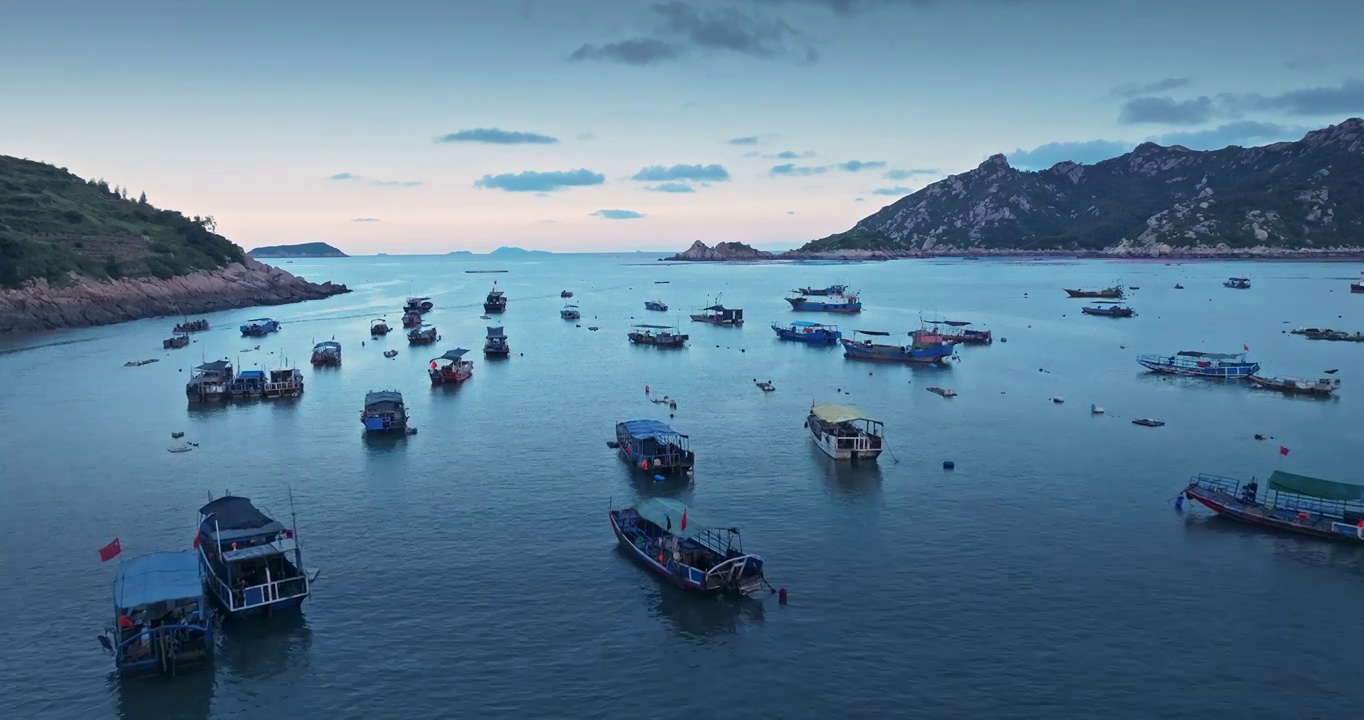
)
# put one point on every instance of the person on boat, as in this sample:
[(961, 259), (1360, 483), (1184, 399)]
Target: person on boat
[(1249, 491)]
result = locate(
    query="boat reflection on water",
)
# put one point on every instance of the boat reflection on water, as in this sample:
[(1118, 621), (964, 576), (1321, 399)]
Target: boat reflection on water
[(847, 479), (276, 646), (1299, 549), (701, 617), (183, 697)]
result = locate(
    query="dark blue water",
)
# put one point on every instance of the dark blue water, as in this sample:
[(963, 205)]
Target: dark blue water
[(469, 571)]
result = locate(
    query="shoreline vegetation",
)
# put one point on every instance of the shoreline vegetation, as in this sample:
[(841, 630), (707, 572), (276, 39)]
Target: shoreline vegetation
[(727, 252)]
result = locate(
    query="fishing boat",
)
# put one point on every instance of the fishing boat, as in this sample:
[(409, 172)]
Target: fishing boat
[(812, 333), (566, 293), (654, 447), (495, 341), (384, 412), (178, 340), (1324, 387), (1201, 364), (1333, 335), (1355, 287), (1237, 283), (248, 384), (845, 433), (655, 305), (831, 290), (496, 301), (420, 305), (570, 312), (718, 314), (327, 354), (390, 354), (190, 326), (422, 335), (455, 370), (210, 381), (832, 303), (284, 382), (252, 563), (260, 327), (379, 327), (960, 335), (924, 347), (663, 535), (412, 319), (1294, 503), (657, 335), (1113, 293), (162, 622), (1115, 311)]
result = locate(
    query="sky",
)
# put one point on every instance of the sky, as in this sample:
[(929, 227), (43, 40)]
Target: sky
[(418, 126)]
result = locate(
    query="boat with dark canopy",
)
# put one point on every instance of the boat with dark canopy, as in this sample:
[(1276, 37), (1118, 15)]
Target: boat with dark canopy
[(260, 327), (718, 314), (327, 353), (664, 536), (658, 336), (1323, 388), (495, 343), (1295, 503), (1113, 311), (811, 333), (162, 622), (655, 305), (1201, 364), (422, 335), (496, 301), (924, 347), (455, 370), (1237, 283), (654, 447), (421, 305), (379, 326), (252, 563), (959, 334), (384, 412)]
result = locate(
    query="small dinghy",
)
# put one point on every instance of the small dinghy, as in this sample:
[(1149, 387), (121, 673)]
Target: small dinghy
[(179, 448), (1148, 422), (390, 353), (1057, 399), (945, 392), (1095, 409), (765, 386)]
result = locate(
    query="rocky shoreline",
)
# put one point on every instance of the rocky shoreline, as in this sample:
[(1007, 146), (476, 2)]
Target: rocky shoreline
[(722, 252), (88, 302)]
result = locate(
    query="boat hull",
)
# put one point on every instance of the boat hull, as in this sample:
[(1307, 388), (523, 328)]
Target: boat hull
[(1111, 293), (806, 305), (935, 354), (1357, 287), (687, 582), (1291, 387), (816, 336), (829, 445), (1239, 371), (1255, 514)]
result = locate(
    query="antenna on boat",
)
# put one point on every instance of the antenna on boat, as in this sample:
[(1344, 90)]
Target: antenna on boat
[(293, 517)]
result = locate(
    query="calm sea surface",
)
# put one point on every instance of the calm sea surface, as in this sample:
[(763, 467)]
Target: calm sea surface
[(469, 570)]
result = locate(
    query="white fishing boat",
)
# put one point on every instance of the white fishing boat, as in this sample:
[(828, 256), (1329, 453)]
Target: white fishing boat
[(845, 433)]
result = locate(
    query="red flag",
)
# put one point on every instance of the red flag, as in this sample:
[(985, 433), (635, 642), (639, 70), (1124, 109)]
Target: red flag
[(110, 551), (1283, 450), (1246, 348), (684, 518), (198, 537)]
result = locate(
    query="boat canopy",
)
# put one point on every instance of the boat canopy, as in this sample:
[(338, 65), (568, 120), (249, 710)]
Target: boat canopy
[(417, 299), (495, 331), (374, 397), (715, 308), (251, 375), (805, 323), (1210, 355), (1315, 487), (1241, 279), (838, 413), (643, 429), (666, 511), (161, 577), (455, 354), (215, 366), (328, 344), (495, 293), (881, 333), (656, 327), (237, 513)]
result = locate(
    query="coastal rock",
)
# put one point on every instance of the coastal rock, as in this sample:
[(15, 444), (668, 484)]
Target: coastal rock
[(85, 302), (722, 251)]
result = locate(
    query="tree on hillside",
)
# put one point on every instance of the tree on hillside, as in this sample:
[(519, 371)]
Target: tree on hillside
[(142, 200)]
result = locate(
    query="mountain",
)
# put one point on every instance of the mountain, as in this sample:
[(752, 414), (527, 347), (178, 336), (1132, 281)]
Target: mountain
[(460, 253), (1304, 197), (77, 252), (302, 250), (700, 251), (516, 251)]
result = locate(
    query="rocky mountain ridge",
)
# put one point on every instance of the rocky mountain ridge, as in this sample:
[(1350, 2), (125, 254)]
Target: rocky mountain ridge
[(700, 251)]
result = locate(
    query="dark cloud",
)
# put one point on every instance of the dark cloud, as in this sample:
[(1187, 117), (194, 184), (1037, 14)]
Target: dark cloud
[(531, 181), (859, 199), (853, 7), (1310, 62), (798, 170), (790, 212), (750, 140), (1244, 133), (1167, 111), (671, 187), (495, 136), (383, 183), (366, 220), (1165, 85), (907, 174), (1085, 152), (640, 51), (682, 28), (896, 191), (618, 214), (659, 173), (860, 165), (1347, 98)]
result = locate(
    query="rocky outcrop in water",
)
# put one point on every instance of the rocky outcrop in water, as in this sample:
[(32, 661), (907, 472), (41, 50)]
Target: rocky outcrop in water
[(84, 302), (722, 251)]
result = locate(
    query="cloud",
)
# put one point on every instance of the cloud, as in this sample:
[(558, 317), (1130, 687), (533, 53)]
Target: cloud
[(671, 187), (382, 183), (659, 173), (531, 181), (1165, 85), (798, 170), (496, 136), (859, 199), (750, 140), (366, 220), (682, 29), (1347, 98), (344, 176), (907, 174), (783, 155), (1167, 110), (1310, 62), (619, 214), (896, 191), (859, 165), (1086, 152), (1245, 133), (790, 212)]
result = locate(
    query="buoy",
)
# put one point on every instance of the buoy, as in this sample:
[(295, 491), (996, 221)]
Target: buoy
[(646, 389), (660, 478), (781, 596), (1179, 502), (1096, 409), (1004, 339), (948, 465)]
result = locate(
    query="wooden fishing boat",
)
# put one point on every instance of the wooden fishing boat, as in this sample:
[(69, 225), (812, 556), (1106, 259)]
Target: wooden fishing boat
[(496, 301), (423, 335), (1114, 293), (718, 314), (1323, 387), (455, 370), (1237, 283), (654, 447), (495, 342), (1293, 503), (412, 319), (1201, 364), (924, 347), (378, 327), (811, 333), (664, 336), (178, 340), (961, 335), (845, 433), (570, 312), (260, 327), (1114, 311), (327, 354), (284, 382), (190, 326), (384, 412), (162, 622), (664, 536), (210, 381), (420, 305), (252, 563), (1331, 335), (566, 294), (655, 305), (1355, 287)]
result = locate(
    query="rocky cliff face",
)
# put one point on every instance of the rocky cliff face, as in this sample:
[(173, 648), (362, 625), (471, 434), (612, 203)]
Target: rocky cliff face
[(1303, 197), (721, 251), (41, 306)]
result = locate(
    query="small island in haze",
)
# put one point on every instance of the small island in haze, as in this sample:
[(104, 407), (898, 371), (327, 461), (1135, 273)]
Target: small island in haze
[(516, 251), (301, 250)]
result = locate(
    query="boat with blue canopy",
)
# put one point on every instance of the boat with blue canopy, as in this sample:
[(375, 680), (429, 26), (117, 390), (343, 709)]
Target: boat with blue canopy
[(252, 564), (812, 333), (924, 347), (654, 447), (839, 303), (162, 622), (664, 536), (1195, 363), (327, 353), (260, 327), (1294, 503)]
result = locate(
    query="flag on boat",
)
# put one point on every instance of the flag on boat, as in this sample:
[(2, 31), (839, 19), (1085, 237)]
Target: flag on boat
[(1283, 450), (684, 518), (198, 538), (110, 551)]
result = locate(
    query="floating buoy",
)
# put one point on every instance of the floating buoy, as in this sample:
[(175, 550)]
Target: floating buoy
[(659, 478), (948, 465), (646, 389), (1004, 339), (1057, 399), (781, 596), (1179, 502), (1096, 409)]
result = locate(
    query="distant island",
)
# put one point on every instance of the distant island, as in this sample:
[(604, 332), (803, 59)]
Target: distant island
[(77, 252), (302, 250), (460, 253), (725, 251), (513, 251)]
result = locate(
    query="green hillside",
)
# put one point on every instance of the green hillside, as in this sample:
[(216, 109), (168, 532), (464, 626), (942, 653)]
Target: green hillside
[(53, 223)]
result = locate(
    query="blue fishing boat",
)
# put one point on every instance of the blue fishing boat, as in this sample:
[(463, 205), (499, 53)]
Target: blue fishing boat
[(162, 622), (663, 535), (654, 447), (808, 332), (1294, 503), (210, 381), (260, 327), (384, 412), (924, 347), (327, 353), (840, 303), (1201, 364), (252, 565), (831, 290)]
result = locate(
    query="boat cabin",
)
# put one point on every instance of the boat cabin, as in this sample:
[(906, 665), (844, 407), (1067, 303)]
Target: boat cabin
[(284, 382), (812, 333), (252, 563), (455, 370), (665, 536), (249, 384), (162, 622), (210, 381), (570, 312), (423, 335), (327, 353), (495, 342), (496, 301), (845, 433), (830, 290), (1237, 283), (654, 447), (384, 412), (260, 327), (720, 315)]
